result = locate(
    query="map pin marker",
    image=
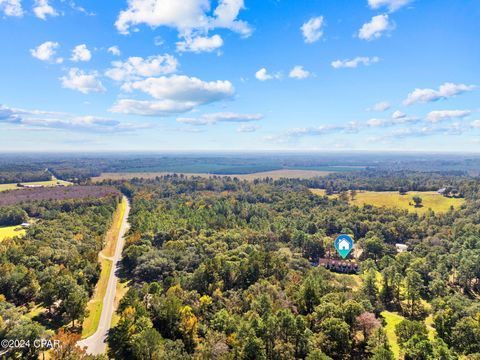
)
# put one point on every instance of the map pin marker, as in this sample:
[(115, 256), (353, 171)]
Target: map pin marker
[(344, 244)]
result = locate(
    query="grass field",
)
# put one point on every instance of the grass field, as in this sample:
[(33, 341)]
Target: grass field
[(95, 305), (50, 183), (10, 232), (431, 200), (392, 319), (275, 174)]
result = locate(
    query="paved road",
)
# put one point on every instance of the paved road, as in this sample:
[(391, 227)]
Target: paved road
[(95, 344)]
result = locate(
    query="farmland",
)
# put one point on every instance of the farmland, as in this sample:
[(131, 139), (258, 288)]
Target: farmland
[(392, 199), (274, 174), (49, 183), (55, 193)]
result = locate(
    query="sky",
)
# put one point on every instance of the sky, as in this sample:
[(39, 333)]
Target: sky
[(240, 75)]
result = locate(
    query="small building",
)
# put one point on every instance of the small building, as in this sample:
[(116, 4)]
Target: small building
[(401, 248), (25, 225), (442, 191), (339, 266)]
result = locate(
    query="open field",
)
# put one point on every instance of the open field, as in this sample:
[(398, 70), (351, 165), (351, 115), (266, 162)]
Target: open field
[(392, 319), (274, 174), (55, 193), (50, 183), (431, 200), (95, 305), (10, 232)]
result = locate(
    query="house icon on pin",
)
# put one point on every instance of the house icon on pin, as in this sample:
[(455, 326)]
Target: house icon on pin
[(344, 245)]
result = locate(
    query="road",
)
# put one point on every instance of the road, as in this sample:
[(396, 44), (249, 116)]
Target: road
[(95, 344)]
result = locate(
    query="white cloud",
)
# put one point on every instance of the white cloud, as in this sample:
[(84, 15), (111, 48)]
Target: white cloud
[(151, 108), (183, 88), (175, 94), (81, 53), (46, 51), (445, 91), (475, 124), (62, 121), (11, 7), (375, 28), (353, 63), (82, 81), (135, 68), (186, 16), (263, 75), (392, 5), (398, 115), (380, 106), (114, 50), (298, 72), (376, 122), (312, 30), (200, 44), (42, 9), (440, 115), (247, 128), (229, 117)]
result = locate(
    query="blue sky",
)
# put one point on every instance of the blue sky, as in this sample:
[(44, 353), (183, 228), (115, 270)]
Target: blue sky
[(303, 75)]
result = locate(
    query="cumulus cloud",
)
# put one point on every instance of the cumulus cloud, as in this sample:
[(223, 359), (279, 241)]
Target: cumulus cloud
[(298, 72), (63, 121), (175, 94), (42, 9), (380, 106), (247, 128), (229, 117), (263, 75), (85, 82), (475, 124), (376, 122), (445, 91), (392, 5), (81, 53), (200, 44), (183, 88), (440, 115), (353, 63), (114, 50), (374, 29), (312, 30), (11, 7), (152, 108), (187, 16), (135, 68), (46, 51)]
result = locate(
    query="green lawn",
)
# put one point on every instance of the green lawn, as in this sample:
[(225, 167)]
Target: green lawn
[(392, 319), (50, 183), (10, 232), (431, 200)]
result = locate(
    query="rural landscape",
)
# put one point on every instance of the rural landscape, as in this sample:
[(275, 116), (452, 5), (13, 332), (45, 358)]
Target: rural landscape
[(211, 266), (239, 180)]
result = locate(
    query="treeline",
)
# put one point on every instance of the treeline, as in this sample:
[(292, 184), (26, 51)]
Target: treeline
[(225, 269), (383, 180), (54, 266), (15, 176)]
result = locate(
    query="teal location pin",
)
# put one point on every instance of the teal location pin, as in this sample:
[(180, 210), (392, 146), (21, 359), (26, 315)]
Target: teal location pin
[(344, 244)]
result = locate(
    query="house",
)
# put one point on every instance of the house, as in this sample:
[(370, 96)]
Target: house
[(344, 245), (401, 248), (442, 191), (25, 225), (339, 266)]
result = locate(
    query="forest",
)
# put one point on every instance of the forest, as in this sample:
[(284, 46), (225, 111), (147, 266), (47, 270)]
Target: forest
[(227, 269), (47, 276)]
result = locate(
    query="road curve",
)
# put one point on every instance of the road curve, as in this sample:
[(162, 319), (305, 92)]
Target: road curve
[(95, 344)]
